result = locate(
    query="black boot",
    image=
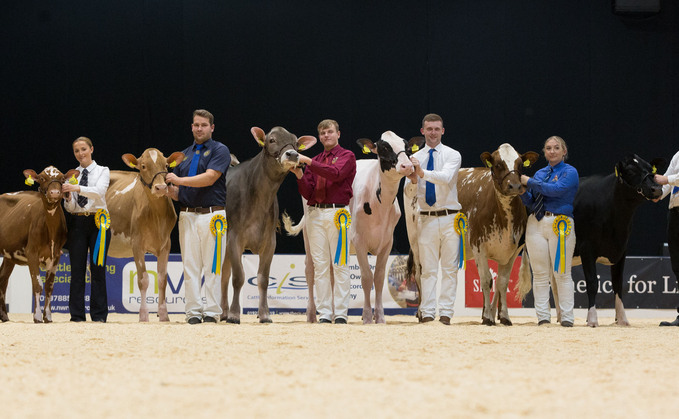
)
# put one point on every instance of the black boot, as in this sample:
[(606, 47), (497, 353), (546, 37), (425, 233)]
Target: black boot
[(674, 323)]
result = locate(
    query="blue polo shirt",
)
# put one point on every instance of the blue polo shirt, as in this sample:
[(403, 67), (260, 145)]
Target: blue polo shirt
[(557, 184), (215, 156)]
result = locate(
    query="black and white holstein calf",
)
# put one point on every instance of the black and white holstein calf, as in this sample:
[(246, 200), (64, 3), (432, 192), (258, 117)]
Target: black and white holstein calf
[(603, 210)]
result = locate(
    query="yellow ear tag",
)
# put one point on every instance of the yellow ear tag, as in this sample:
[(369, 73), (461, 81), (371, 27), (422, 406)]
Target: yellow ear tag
[(73, 180), (132, 165), (616, 171), (654, 170), (488, 164), (29, 181), (526, 163), (261, 143), (301, 147), (173, 164), (365, 149), (415, 148)]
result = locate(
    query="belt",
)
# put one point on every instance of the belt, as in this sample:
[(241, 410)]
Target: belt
[(328, 205), (202, 210), (550, 214), (439, 213), (84, 214)]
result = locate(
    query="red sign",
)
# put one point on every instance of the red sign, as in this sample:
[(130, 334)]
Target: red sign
[(474, 295)]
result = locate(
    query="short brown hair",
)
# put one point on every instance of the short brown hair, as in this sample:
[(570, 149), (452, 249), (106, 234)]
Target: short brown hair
[(324, 124), (560, 141), (83, 139), (431, 117), (204, 114)]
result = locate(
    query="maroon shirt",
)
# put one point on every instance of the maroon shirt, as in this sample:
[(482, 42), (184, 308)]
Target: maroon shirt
[(339, 174)]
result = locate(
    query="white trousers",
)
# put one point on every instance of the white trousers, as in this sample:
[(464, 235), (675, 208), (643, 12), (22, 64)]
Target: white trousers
[(541, 242), (323, 235), (197, 245), (438, 241)]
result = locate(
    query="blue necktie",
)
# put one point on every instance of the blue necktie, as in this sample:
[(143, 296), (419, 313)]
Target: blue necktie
[(430, 189), (539, 204), (82, 200), (194, 160)]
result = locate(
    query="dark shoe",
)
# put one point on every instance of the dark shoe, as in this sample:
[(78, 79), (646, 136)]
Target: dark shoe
[(340, 320), (566, 323), (194, 320), (426, 319), (541, 322), (209, 319), (99, 320), (674, 323), (445, 320), (324, 321), (77, 320)]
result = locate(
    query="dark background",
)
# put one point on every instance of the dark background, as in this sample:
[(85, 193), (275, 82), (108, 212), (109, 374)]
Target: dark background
[(129, 73)]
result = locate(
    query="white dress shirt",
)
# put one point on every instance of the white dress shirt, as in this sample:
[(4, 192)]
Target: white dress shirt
[(447, 162), (98, 178), (672, 174)]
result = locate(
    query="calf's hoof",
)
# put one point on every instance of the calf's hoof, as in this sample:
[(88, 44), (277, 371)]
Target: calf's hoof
[(232, 320), (505, 322), (674, 323), (267, 320), (487, 322)]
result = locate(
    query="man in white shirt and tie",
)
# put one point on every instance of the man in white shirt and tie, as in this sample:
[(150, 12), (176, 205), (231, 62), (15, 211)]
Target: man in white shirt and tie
[(670, 182), (437, 198)]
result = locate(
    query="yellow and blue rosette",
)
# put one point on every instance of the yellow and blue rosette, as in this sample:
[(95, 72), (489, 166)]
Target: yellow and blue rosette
[(562, 227), (342, 222), (102, 220), (218, 228), (461, 226)]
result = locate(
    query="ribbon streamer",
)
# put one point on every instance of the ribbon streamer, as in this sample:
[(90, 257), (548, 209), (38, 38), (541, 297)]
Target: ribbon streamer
[(342, 222), (102, 220), (461, 227), (562, 228), (217, 227)]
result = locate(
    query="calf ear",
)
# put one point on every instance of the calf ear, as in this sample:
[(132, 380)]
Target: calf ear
[(175, 158), (659, 164), (414, 145), (529, 158), (30, 176), (305, 142), (486, 158), (259, 135), (367, 146), (130, 160), (71, 174)]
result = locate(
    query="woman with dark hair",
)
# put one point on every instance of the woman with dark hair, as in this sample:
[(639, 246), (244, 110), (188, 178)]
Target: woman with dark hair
[(85, 199)]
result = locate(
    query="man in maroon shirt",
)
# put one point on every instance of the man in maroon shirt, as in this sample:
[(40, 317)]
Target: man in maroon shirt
[(326, 185)]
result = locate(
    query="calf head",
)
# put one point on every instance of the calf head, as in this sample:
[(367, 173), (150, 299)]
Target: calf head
[(282, 145), (393, 151), (153, 166), (50, 181), (638, 175), (506, 166)]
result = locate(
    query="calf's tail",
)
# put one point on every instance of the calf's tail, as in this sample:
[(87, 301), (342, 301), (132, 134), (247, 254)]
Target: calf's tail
[(524, 284), (292, 230)]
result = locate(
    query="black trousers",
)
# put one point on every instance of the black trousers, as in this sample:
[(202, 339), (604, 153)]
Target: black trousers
[(673, 241), (82, 237)]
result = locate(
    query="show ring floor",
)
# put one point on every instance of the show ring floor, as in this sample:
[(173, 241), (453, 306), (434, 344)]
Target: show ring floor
[(294, 369)]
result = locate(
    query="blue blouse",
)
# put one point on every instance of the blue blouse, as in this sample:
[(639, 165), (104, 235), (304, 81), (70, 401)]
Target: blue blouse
[(557, 184)]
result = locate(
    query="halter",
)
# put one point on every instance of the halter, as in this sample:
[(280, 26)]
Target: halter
[(638, 188), (518, 172), (150, 184), (44, 191), (277, 156)]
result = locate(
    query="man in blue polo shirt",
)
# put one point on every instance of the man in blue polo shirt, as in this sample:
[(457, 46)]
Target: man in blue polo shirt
[(199, 184)]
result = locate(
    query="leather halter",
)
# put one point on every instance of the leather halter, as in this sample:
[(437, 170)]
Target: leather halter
[(150, 184)]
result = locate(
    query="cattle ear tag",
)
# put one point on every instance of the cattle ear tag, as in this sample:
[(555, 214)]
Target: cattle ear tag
[(301, 147), (415, 148), (366, 150), (489, 164), (173, 164), (616, 171), (29, 181), (654, 170), (73, 180), (526, 163), (132, 165), (261, 143)]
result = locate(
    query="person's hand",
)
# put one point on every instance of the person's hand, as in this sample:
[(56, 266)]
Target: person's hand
[(173, 179), (524, 180), (417, 169), (297, 171), (304, 160), (67, 187), (660, 179)]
